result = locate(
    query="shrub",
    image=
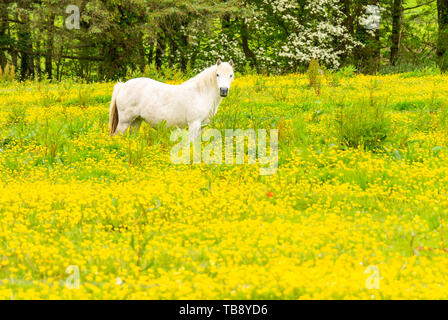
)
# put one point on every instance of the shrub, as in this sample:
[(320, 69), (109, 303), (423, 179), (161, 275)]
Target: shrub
[(408, 69), (362, 125), (7, 74), (335, 77), (314, 75), (52, 136), (85, 93), (46, 95), (292, 132), (347, 71)]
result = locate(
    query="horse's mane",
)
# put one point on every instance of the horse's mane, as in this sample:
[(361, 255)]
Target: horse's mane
[(204, 79)]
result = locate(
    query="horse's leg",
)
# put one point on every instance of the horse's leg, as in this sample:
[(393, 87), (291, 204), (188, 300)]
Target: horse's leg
[(122, 126), (194, 130), (135, 125), (125, 118)]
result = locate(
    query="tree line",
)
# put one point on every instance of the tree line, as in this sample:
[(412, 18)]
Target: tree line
[(42, 39)]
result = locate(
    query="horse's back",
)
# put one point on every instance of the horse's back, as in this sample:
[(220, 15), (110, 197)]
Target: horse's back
[(153, 100), (147, 83)]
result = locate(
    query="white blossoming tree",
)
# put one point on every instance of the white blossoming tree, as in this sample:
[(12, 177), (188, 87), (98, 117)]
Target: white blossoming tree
[(295, 31)]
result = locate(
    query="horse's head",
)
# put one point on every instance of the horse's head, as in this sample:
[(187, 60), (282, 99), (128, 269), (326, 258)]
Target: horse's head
[(224, 76)]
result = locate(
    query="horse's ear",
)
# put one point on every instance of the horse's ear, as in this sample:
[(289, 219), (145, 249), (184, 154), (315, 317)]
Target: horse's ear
[(219, 62), (231, 62)]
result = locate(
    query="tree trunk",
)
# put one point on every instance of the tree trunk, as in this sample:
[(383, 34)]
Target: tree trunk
[(346, 8), (37, 62), (160, 46), (25, 46), (113, 65), (397, 11), (250, 56), (442, 42), (13, 49), (348, 22), (173, 51), (150, 52), (50, 46), (183, 52), (367, 57), (58, 64), (141, 53), (4, 38)]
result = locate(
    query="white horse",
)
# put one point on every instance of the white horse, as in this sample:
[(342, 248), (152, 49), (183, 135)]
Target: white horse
[(191, 103)]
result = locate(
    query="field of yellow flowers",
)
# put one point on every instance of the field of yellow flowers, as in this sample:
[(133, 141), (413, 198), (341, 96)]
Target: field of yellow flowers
[(358, 208)]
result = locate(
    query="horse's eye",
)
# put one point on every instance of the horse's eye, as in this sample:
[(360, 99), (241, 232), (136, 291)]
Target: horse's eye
[(231, 75), (217, 75)]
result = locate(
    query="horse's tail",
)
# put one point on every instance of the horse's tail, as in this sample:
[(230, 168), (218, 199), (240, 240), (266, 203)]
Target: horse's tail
[(113, 111)]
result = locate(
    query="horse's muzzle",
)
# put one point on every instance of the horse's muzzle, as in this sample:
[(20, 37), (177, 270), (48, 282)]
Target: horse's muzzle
[(223, 92)]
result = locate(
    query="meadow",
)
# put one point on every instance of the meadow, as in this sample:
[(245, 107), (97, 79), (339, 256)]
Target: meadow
[(357, 209)]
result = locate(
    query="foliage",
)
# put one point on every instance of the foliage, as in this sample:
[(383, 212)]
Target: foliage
[(119, 38), (310, 29), (363, 124)]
